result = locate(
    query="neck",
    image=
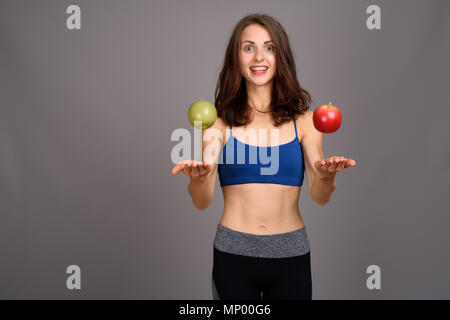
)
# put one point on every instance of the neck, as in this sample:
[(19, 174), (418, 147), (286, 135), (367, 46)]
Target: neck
[(259, 97)]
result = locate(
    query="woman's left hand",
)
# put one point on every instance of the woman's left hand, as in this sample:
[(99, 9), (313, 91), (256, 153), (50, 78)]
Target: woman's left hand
[(326, 169)]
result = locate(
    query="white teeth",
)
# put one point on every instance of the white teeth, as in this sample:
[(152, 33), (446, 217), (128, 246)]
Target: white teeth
[(259, 68)]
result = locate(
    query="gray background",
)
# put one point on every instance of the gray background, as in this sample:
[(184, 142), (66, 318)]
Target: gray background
[(85, 126)]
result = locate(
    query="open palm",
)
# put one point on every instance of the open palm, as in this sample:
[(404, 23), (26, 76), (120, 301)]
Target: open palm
[(327, 168)]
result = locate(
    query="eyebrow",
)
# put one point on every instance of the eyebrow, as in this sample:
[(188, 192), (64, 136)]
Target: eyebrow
[(254, 42)]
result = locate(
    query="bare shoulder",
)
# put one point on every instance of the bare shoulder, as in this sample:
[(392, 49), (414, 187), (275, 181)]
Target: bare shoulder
[(220, 124), (213, 141), (304, 123), (217, 130)]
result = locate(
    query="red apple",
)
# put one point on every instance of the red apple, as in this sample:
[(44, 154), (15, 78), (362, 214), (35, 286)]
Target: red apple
[(327, 118)]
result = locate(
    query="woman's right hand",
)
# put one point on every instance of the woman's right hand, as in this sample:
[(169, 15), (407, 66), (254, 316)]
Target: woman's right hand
[(192, 168)]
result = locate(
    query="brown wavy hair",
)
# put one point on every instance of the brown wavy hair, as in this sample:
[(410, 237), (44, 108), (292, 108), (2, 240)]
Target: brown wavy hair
[(288, 98)]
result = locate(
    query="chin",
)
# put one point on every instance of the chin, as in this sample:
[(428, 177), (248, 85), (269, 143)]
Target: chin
[(260, 82)]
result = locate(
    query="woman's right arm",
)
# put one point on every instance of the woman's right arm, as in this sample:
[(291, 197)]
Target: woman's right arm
[(203, 174), (201, 189)]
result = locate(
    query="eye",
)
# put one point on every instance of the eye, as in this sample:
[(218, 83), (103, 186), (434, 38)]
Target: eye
[(272, 48)]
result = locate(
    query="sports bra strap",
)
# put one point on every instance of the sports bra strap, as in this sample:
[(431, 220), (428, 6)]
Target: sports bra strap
[(295, 129)]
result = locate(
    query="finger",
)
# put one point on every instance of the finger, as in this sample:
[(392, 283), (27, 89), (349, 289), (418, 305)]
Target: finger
[(318, 164), (207, 166), (325, 168), (341, 165), (327, 165), (330, 161), (335, 159), (177, 168), (333, 165), (350, 163), (195, 171), (187, 168), (194, 168), (203, 168), (322, 165)]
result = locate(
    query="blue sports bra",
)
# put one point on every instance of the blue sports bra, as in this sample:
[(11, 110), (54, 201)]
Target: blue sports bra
[(287, 168)]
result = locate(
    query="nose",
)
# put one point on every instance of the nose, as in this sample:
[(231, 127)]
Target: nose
[(259, 55)]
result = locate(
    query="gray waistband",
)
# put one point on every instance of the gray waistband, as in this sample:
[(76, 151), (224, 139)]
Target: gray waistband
[(279, 245)]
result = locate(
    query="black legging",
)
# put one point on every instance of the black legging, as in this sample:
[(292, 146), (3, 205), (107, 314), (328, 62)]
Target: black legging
[(240, 277)]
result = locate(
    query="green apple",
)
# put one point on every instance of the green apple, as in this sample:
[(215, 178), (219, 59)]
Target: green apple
[(203, 111)]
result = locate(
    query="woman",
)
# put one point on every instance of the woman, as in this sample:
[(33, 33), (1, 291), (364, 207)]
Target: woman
[(261, 249)]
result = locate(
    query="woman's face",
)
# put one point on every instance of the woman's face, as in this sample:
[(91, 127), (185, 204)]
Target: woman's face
[(256, 49)]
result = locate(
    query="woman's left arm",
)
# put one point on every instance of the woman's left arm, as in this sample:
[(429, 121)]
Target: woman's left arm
[(324, 182), (320, 172)]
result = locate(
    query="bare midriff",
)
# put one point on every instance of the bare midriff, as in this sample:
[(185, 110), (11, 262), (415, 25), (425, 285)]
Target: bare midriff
[(261, 208)]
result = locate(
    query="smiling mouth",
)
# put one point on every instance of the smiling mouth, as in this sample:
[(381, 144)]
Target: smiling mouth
[(259, 71), (259, 68)]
